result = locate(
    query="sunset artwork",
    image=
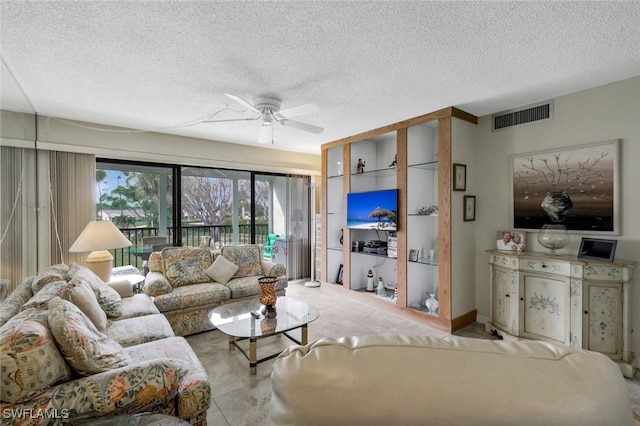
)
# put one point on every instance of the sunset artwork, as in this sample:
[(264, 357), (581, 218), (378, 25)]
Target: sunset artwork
[(574, 187)]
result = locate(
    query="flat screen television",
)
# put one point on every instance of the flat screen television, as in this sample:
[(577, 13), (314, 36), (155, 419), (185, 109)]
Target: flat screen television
[(373, 210)]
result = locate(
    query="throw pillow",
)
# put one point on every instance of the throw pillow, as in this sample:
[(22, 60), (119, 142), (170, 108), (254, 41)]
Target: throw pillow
[(30, 359), (80, 294), (155, 262), (18, 297), (108, 299), (221, 270), (186, 265), (247, 258), (86, 349), (51, 274), (47, 293)]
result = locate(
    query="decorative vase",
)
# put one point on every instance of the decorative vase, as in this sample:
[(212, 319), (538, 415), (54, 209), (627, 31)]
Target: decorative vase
[(432, 304), (557, 205), (268, 297), (553, 237)]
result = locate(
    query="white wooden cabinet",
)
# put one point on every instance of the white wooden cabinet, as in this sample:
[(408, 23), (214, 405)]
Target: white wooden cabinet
[(562, 299)]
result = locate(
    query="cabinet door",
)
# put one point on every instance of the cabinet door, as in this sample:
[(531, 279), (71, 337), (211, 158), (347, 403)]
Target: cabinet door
[(602, 326), (545, 309), (500, 297)]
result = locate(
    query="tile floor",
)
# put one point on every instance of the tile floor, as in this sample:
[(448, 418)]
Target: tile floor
[(241, 399)]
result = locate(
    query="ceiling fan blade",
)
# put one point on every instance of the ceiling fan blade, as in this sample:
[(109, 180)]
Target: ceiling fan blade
[(229, 120), (266, 133), (301, 126), (242, 102), (309, 108)]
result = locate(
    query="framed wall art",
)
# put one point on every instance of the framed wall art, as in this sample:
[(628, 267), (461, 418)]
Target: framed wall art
[(577, 187), (459, 177), (469, 208)]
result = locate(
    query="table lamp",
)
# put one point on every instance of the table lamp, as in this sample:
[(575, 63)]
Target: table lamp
[(98, 237)]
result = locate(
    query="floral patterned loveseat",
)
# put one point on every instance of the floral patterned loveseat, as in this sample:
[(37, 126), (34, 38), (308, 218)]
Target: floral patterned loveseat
[(186, 283), (73, 349)]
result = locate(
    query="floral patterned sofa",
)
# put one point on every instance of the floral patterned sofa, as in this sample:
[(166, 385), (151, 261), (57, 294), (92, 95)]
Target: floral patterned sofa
[(186, 283), (72, 348)]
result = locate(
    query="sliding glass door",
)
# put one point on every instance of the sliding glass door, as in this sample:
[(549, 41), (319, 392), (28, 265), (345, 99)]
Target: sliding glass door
[(192, 206)]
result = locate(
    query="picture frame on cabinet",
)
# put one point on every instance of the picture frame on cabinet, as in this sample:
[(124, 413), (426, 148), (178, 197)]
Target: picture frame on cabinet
[(413, 255), (340, 277), (459, 177), (469, 208), (515, 240), (597, 249)]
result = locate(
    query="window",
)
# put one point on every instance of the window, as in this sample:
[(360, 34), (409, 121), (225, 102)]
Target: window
[(195, 205)]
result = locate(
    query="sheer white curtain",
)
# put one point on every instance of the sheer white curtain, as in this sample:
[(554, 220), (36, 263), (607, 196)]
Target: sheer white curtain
[(299, 227)]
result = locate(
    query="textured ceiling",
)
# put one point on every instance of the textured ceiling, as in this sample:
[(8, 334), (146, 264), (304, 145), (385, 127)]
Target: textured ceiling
[(160, 65)]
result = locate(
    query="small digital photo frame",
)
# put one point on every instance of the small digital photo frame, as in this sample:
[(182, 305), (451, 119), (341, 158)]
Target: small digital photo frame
[(597, 249)]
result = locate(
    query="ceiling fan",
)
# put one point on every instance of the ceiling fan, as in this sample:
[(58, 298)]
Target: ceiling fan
[(269, 111)]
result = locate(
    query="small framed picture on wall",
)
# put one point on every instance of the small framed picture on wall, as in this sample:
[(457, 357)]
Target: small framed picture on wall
[(469, 208), (459, 177)]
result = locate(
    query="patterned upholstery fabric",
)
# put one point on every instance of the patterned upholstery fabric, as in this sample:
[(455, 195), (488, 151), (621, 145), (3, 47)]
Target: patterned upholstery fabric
[(47, 293), (141, 386), (135, 389), (190, 321), (243, 287), (187, 307), (144, 387), (52, 273), (272, 269), (134, 331), (194, 391), (247, 258), (108, 298), (30, 361), (156, 284), (136, 306), (86, 349), (18, 297), (193, 295), (186, 265), (155, 263)]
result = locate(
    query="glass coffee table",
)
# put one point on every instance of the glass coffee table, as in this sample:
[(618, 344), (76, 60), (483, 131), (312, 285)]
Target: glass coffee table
[(243, 320)]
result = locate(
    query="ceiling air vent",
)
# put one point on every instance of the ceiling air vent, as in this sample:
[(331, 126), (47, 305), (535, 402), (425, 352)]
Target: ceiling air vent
[(542, 111)]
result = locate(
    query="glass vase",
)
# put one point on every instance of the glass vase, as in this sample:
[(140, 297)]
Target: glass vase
[(553, 237)]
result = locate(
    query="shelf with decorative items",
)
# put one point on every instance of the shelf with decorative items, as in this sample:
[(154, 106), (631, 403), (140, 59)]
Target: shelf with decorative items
[(413, 158), (422, 215), (372, 211)]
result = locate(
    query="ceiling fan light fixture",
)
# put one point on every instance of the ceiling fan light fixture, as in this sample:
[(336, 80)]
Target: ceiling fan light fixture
[(266, 132)]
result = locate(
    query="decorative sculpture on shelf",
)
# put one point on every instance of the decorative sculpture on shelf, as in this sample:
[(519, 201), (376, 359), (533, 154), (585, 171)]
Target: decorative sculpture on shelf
[(394, 163), (360, 166)]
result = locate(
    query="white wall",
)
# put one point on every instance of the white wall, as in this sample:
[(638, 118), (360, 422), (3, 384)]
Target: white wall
[(600, 114), (463, 279), (110, 142)]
